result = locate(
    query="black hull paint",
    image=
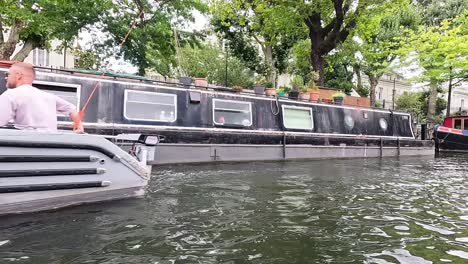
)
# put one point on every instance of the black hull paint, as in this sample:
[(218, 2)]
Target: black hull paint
[(446, 141), (238, 137)]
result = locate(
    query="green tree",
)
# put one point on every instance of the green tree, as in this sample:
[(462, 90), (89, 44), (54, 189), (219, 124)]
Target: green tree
[(416, 104), (442, 51), (209, 61), (253, 25), (381, 36), (329, 23), (34, 23), (86, 59), (152, 42)]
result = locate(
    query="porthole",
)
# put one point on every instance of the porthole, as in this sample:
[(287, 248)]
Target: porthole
[(349, 122), (383, 124)]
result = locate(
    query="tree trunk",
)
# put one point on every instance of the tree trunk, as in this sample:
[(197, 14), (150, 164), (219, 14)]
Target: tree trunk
[(318, 65), (357, 71), (271, 71), (7, 48), (431, 105), (23, 53), (449, 99), (374, 81)]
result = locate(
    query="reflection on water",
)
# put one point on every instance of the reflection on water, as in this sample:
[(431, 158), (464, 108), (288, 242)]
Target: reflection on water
[(409, 210)]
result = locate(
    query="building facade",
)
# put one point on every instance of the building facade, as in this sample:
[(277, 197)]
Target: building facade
[(388, 89)]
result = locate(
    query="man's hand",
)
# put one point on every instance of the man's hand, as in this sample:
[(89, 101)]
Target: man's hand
[(78, 128), (77, 125)]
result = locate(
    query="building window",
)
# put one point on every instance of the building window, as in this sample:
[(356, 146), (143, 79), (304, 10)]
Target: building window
[(380, 93), (69, 92), (149, 106), (462, 104), (295, 117), (41, 57), (232, 113)]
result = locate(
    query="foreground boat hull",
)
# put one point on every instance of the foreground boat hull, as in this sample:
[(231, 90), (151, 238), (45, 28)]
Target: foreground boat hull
[(44, 171)]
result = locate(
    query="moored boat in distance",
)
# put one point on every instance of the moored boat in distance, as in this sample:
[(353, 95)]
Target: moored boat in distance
[(43, 171), (452, 135), (210, 124)]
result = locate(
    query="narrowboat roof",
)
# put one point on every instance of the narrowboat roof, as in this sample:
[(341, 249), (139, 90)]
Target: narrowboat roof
[(136, 78)]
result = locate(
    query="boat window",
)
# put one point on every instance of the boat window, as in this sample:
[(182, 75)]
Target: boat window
[(226, 112), (295, 117), (149, 106), (465, 124), (457, 124), (69, 92)]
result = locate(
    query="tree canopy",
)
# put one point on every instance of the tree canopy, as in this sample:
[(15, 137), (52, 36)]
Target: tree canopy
[(34, 23)]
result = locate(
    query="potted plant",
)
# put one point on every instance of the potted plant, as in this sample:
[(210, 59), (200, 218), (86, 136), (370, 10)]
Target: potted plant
[(185, 80), (304, 94), (283, 91), (237, 88), (269, 89), (338, 98), (314, 93), (259, 87), (297, 82), (201, 77), (314, 90)]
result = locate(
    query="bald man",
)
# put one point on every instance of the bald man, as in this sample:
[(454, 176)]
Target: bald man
[(29, 107)]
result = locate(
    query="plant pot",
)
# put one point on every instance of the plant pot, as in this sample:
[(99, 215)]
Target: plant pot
[(293, 95), (202, 82), (186, 81), (282, 94), (270, 91), (304, 96), (259, 89), (314, 96), (338, 100)]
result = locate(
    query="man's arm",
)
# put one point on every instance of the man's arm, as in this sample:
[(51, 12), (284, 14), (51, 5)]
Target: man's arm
[(67, 108), (7, 111)]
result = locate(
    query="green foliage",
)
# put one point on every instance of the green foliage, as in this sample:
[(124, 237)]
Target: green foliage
[(208, 61), (269, 85), (151, 44), (436, 11), (362, 90), (246, 24), (86, 59), (37, 22), (442, 50), (338, 94), (300, 59), (416, 104), (297, 82)]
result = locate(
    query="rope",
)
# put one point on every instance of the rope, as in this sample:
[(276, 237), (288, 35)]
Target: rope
[(85, 106), (277, 107)]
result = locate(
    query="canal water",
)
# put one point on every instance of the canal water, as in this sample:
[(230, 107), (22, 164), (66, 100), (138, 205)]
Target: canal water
[(407, 210)]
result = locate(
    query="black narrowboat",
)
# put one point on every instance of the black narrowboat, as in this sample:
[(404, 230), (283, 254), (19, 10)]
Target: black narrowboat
[(205, 124)]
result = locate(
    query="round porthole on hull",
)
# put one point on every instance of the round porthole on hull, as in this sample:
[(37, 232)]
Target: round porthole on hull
[(349, 122), (383, 124)]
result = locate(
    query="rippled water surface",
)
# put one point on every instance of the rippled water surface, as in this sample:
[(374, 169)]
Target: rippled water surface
[(408, 210)]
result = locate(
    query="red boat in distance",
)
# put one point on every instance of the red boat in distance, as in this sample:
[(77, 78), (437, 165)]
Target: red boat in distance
[(452, 135)]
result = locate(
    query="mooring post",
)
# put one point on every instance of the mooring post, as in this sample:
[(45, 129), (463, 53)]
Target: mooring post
[(398, 147), (381, 147), (284, 145)]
